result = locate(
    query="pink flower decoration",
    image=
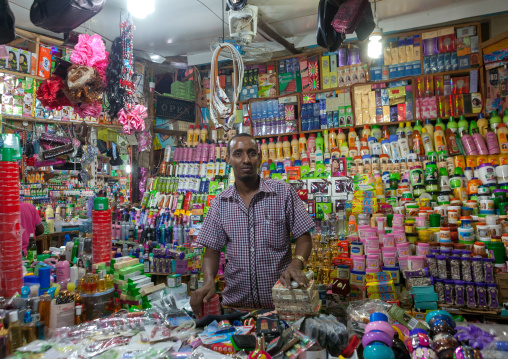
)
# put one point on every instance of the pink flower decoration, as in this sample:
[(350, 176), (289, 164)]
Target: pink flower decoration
[(101, 67), (89, 51), (133, 120), (88, 109)]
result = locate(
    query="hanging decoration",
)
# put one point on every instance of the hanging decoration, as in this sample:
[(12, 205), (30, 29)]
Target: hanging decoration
[(83, 86), (114, 93), (218, 109), (132, 116), (133, 120), (51, 95)]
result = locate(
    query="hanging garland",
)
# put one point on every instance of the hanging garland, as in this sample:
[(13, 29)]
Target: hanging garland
[(132, 116)]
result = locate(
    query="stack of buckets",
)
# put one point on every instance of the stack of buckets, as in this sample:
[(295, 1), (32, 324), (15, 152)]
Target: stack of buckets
[(11, 265), (101, 222)]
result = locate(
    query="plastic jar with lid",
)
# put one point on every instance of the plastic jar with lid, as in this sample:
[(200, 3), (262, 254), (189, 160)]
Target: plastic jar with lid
[(444, 235), (424, 235)]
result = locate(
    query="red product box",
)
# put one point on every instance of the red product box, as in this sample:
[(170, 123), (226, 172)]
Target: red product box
[(44, 67), (401, 112)]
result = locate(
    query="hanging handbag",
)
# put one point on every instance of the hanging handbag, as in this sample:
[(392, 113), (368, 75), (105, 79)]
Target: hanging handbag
[(326, 36), (6, 23), (349, 15), (63, 15)]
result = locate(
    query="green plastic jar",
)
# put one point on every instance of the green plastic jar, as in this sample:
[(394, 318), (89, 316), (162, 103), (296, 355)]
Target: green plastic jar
[(498, 249), (100, 204)]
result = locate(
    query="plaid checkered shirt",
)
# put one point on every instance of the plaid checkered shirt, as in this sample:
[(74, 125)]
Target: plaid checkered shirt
[(257, 239)]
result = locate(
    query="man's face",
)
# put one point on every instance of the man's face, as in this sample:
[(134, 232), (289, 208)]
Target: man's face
[(244, 158)]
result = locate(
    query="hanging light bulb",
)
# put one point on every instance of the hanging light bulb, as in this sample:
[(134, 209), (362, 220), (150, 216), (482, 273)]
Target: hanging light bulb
[(375, 46), (140, 8)]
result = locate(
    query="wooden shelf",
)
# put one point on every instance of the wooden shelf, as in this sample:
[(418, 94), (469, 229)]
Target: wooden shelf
[(412, 121), (164, 131), (315, 131), (454, 72), (43, 120), (21, 74), (277, 135)]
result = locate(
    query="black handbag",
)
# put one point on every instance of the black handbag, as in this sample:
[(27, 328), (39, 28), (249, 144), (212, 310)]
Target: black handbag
[(63, 15), (6, 23)]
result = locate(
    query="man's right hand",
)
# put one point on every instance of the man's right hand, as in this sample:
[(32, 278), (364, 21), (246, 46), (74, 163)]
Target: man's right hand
[(200, 296)]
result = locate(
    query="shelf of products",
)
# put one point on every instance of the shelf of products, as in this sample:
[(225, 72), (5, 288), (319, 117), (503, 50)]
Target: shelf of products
[(21, 74), (42, 120)]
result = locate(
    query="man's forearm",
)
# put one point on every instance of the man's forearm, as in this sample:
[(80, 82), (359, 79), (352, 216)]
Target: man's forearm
[(303, 248), (210, 266)]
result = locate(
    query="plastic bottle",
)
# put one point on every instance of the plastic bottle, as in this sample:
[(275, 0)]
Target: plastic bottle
[(452, 125), (427, 141), (341, 137), (502, 136), (376, 132), (195, 137), (203, 134), (272, 153), (351, 225), (403, 144), (332, 139), (409, 134), (295, 154), (491, 140), (439, 122), (430, 130), (344, 149), (326, 142), (453, 149), (400, 129), (278, 150), (417, 126), (366, 131), (418, 143), (352, 136), (479, 142), (483, 125), (463, 124), (495, 120), (190, 135), (286, 148), (505, 117), (395, 147), (50, 219), (439, 140), (386, 133), (302, 144), (474, 125), (444, 180), (311, 143), (319, 142), (469, 144), (264, 150)]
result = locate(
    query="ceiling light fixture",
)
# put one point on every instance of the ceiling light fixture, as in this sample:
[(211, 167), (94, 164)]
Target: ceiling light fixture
[(140, 8), (375, 47)]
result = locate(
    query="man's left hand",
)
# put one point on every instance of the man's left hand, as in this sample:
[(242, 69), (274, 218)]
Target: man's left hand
[(295, 274)]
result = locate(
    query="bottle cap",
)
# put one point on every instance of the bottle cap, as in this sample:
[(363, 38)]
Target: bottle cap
[(13, 316)]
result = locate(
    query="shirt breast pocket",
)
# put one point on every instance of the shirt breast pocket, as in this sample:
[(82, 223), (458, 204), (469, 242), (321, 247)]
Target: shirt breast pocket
[(275, 227)]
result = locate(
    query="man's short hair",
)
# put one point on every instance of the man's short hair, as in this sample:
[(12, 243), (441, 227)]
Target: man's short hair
[(228, 147)]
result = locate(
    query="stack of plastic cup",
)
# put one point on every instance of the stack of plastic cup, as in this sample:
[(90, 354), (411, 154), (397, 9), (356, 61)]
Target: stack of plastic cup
[(101, 240), (11, 272)]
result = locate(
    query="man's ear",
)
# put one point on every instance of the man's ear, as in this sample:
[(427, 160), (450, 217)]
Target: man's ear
[(228, 160)]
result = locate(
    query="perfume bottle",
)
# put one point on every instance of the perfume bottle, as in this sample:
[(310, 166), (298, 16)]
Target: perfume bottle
[(78, 318), (4, 341), (28, 328), (15, 333)]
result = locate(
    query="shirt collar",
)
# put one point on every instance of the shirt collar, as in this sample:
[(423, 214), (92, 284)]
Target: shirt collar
[(264, 186)]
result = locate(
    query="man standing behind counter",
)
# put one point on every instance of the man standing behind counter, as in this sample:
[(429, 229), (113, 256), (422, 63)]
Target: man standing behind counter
[(253, 219)]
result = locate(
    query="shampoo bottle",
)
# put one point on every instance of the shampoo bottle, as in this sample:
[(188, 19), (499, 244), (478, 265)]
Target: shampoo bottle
[(430, 130), (463, 125), (480, 143), (502, 135), (492, 144), (295, 152), (452, 125), (495, 120), (483, 125)]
